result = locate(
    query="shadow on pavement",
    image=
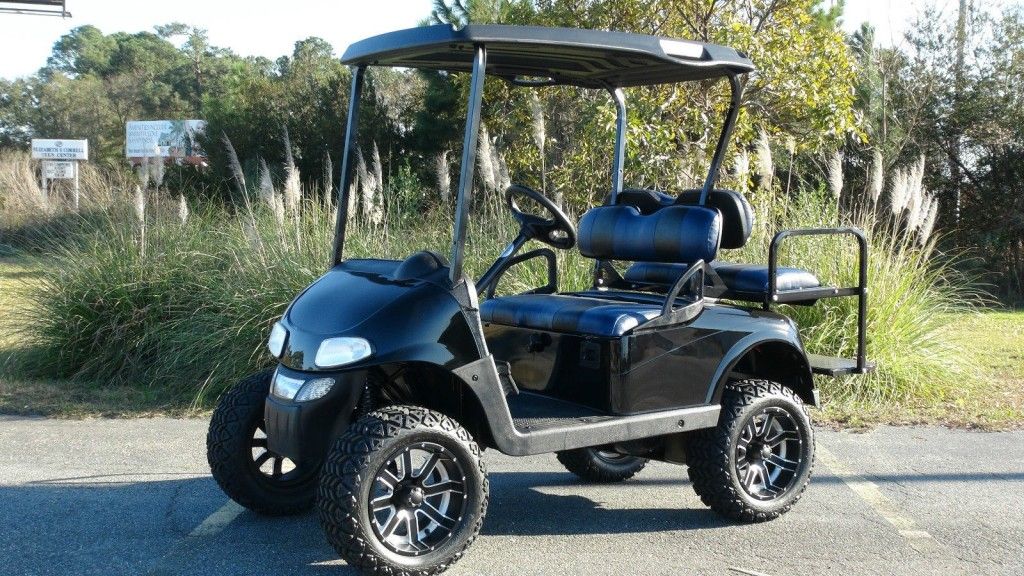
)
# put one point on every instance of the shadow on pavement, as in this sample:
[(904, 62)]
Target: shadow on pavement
[(118, 524)]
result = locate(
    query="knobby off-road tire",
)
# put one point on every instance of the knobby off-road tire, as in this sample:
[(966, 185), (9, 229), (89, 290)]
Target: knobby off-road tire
[(601, 465), (756, 463), (403, 492), (241, 464)]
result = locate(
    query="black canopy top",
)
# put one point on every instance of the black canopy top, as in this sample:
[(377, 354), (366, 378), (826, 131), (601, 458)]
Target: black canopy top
[(589, 58)]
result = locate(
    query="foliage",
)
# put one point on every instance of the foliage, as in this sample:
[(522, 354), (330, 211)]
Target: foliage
[(151, 295), (94, 83), (954, 97)]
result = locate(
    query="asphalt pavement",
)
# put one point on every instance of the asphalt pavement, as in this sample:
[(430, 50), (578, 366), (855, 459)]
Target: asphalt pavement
[(134, 497)]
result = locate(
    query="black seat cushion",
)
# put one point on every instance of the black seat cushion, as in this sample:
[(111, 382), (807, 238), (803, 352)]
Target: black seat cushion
[(654, 273), (672, 234), (737, 214), (563, 313), (752, 278), (646, 201)]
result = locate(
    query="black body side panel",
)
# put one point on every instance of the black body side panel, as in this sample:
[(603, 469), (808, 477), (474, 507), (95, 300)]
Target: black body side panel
[(645, 371), (671, 368)]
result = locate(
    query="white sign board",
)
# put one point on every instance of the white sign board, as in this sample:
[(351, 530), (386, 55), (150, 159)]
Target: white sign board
[(60, 149), (164, 138), (58, 169)]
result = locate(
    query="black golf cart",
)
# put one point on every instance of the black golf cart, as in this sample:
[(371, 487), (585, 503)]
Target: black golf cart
[(394, 375)]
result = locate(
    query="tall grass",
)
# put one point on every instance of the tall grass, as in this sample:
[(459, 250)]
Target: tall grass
[(914, 292), (188, 310), (31, 217)]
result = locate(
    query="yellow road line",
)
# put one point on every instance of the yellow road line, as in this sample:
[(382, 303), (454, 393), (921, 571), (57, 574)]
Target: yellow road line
[(217, 521), (870, 493)]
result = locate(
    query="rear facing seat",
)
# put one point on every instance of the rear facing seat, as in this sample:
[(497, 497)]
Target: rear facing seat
[(747, 282), (739, 278)]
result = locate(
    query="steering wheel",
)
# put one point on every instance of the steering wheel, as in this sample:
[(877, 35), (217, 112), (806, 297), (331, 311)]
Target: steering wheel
[(556, 230)]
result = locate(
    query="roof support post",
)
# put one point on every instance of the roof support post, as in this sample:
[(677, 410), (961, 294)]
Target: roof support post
[(723, 140), (347, 165), (618, 161), (621, 126), (465, 192)]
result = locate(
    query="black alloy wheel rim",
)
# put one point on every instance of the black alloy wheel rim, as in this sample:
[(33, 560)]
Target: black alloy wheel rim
[(271, 468), (769, 454), (418, 499)]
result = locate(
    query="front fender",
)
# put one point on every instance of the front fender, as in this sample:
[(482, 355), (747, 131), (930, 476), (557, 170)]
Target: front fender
[(403, 319)]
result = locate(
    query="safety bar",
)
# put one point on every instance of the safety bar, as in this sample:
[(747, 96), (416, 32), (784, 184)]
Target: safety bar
[(776, 296), (698, 267), (550, 288)]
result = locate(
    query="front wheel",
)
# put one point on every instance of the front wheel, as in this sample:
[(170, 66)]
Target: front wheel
[(243, 466), (756, 463), (403, 492), (600, 464)]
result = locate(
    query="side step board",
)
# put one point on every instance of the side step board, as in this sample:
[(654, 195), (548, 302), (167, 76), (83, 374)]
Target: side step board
[(831, 366), (582, 432), (541, 435)]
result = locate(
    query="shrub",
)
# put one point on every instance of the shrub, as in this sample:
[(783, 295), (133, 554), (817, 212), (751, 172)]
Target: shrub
[(914, 292), (140, 297)]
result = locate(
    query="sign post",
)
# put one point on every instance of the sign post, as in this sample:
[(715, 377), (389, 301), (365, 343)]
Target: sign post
[(60, 162)]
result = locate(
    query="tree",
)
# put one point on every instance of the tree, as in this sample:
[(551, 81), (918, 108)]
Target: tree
[(803, 88), (83, 50)]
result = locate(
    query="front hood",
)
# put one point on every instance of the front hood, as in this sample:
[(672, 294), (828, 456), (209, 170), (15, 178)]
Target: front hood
[(345, 297), (369, 299)]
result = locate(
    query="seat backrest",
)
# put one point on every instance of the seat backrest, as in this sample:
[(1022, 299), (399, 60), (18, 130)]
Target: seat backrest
[(737, 214), (681, 234)]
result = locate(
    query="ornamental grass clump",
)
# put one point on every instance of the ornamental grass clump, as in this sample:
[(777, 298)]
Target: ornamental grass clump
[(915, 290), (187, 312)]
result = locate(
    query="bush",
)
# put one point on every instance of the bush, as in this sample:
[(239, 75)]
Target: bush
[(188, 311), (914, 292)]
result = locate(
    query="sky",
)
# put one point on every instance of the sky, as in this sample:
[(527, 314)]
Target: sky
[(270, 29)]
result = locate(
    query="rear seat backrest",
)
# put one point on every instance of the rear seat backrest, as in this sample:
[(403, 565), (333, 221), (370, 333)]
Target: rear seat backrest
[(682, 234), (737, 214)]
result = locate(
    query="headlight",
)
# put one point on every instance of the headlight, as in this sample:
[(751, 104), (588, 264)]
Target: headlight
[(276, 341), (340, 351), (300, 390), (285, 386), (315, 389)]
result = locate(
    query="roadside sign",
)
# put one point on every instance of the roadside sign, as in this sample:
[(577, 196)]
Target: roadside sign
[(50, 149), (60, 162), (178, 139), (58, 169)]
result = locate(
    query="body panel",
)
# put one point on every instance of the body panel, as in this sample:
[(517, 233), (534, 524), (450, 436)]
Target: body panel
[(668, 368), (410, 319)]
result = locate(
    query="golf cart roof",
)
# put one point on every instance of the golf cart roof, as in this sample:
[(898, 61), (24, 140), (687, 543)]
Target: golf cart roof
[(540, 55)]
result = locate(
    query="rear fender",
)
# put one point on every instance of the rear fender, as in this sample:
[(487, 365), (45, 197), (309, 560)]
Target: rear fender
[(781, 360)]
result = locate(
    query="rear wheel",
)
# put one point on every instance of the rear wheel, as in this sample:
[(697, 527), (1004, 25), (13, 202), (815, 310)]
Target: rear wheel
[(403, 492), (243, 466), (601, 464), (756, 463)]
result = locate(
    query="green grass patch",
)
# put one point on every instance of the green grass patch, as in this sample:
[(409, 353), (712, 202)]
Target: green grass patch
[(990, 398)]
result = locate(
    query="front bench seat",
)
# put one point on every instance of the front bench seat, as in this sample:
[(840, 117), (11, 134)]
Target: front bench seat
[(571, 314), (673, 234)]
